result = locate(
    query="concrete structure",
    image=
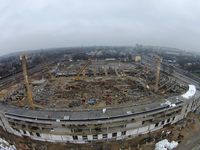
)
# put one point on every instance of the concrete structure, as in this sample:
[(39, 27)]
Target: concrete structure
[(110, 123)]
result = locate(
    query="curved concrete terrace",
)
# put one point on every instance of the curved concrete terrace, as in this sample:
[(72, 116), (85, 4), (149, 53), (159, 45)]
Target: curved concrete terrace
[(93, 114)]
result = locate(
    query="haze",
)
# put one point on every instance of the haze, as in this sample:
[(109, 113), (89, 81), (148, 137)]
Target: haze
[(36, 24)]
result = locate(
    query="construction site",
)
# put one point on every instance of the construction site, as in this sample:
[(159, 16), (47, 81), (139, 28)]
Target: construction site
[(96, 100), (96, 84)]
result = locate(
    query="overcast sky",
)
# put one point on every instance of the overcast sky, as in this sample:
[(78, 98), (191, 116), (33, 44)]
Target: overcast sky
[(35, 24)]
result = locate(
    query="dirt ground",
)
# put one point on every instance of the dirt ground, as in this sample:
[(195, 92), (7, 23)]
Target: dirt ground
[(180, 132)]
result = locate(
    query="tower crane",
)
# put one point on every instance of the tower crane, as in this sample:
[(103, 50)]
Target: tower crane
[(89, 61), (158, 62), (23, 59), (82, 69), (48, 73)]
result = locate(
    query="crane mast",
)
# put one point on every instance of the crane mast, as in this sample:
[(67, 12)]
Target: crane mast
[(26, 82), (158, 61), (82, 69)]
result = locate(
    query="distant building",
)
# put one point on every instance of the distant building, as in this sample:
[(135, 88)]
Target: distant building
[(110, 59), (138, 58)]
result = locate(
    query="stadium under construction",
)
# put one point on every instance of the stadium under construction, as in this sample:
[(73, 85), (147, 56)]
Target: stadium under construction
[(96, 100)]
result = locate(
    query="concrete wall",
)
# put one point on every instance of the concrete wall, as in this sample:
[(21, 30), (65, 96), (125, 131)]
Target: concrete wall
[(81, 139), (131, 130), (131, 127)]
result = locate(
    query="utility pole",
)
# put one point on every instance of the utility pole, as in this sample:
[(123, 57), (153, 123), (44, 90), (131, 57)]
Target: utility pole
[(26, 82)]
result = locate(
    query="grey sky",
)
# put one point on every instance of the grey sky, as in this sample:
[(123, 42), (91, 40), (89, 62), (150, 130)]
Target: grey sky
[(35, 24)]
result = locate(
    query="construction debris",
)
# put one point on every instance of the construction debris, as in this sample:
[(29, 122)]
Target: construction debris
[(166, 145), (112, 83), (4, 145)]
